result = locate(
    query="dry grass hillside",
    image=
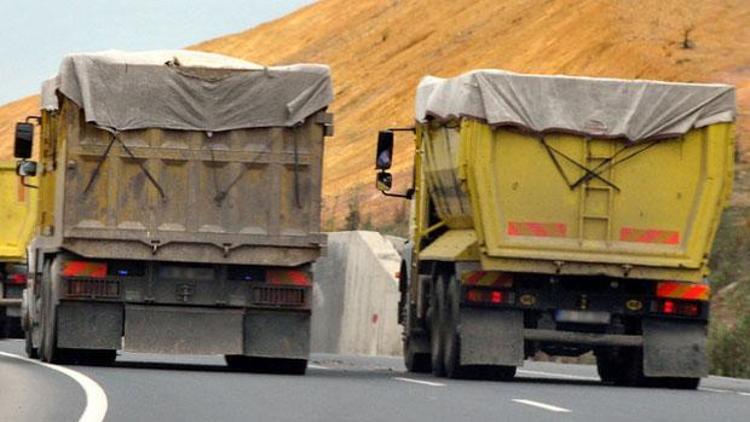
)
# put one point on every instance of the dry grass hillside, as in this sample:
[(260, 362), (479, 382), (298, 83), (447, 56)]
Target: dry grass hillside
[(379, 49)]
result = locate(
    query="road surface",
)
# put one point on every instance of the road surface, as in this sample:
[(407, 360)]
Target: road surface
[(340, 388)]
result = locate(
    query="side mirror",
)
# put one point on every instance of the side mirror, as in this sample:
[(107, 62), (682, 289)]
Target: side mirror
[(384, 181), (384, 157), (26, 168), (24, 140)]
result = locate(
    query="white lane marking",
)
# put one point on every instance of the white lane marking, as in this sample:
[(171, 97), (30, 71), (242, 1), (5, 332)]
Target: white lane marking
[(96, 399), (742, 393), (556, 375), (715, 390), (430, 383), (314, 366), (544, 406)]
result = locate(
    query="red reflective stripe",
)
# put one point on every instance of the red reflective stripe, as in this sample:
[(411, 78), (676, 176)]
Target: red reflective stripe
[(475, 277), (668, 237), (666, 289), (294, 277), (84, 269), (696, 292), (537, 229)]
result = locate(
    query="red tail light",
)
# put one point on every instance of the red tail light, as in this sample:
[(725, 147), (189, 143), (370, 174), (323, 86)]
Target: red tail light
[(17, 279), (494, 297), (288, 277), (679, 307), (84, 269), (668, 307)]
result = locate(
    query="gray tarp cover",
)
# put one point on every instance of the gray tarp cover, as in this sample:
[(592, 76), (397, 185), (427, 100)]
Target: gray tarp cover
[(125, 91), (607, 108)]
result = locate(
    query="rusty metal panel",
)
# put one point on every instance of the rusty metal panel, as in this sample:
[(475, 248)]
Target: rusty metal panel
[(248, 196)]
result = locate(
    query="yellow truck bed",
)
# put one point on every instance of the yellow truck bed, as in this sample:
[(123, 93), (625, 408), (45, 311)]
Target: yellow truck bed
[(635, 197), (17, 214)]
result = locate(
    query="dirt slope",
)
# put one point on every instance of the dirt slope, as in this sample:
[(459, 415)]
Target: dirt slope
[(380, 49)]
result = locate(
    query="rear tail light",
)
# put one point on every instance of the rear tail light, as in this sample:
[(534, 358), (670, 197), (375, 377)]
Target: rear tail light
[(17, 279), (491, 297), (681, 308), (684, 291), (84, 269), (288, 277)]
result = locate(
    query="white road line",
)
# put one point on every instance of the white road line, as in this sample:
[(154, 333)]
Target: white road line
[(742, 393), (430, 383), (96, 399), (715, 390), (314, 366), (556, 375), (544, 406)]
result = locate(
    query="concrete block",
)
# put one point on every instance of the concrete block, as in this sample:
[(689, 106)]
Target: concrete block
[(356, 296)]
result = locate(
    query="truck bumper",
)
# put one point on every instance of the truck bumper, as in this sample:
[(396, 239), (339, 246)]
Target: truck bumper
[(184, 329)]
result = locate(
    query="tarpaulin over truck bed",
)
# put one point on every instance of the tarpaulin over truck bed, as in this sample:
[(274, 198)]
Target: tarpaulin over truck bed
[(187, 90), (604, 108)]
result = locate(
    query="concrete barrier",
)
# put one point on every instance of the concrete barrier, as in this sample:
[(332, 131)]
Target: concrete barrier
[(356, 295)]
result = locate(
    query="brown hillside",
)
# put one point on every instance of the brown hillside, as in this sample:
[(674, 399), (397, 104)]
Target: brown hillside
[(380, 49)]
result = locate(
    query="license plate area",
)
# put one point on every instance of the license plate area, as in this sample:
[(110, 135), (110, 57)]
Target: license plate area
[(583, 317)]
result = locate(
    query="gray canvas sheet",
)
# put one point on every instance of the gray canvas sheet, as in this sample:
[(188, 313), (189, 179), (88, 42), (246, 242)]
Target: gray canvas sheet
[(608, 108), (187, 90)]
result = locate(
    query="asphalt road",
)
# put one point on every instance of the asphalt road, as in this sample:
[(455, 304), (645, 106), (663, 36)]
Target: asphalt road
[(341, 388)]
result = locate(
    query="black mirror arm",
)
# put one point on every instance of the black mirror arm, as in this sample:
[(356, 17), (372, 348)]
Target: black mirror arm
[(23, 183), (38, 119), (409, 194)]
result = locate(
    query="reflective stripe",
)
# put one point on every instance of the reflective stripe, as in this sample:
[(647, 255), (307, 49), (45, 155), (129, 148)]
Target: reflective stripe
[(687, 291), (487, 279), (667, 237), (516, 228)]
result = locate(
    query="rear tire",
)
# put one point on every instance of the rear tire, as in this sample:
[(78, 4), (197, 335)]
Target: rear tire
[(437, 335), (608, 366), (31, 351), (413, 360)]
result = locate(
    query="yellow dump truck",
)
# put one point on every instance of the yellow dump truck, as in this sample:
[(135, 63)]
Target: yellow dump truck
[(179, 208), (563, 215), (17, 214)]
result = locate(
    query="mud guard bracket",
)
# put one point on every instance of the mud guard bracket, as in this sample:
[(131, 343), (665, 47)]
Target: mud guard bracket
[(674, 348), (491, 337)]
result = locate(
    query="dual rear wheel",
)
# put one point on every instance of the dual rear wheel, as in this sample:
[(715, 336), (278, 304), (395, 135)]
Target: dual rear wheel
[(445, 340)]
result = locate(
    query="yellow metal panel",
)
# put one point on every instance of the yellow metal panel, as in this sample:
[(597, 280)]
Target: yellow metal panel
[(658, 208), (453, 245), (17, 214)]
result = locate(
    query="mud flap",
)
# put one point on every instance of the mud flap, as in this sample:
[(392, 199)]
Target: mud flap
[(491, 337), (277, 334), (183, 330), (96, 326), (673, 348)]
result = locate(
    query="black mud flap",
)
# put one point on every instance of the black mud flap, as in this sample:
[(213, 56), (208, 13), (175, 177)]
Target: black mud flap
[(491, 337), (674, 348)]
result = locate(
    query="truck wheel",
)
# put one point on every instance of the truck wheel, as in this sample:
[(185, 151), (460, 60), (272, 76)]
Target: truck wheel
[(414, 361), (31, 351), (453, 367), (4, 328), (608, 366), (48, 350), (437, 336)]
